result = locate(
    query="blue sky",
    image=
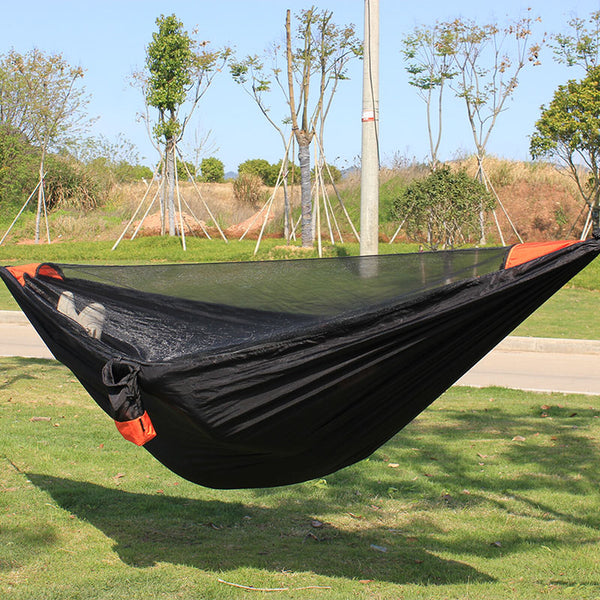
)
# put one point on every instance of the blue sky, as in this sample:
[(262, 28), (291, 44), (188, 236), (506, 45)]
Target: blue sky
[(108, 39)]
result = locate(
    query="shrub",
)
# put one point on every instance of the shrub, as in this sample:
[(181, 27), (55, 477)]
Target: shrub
[(127, 173), (248, 189), (443, 209), (213, 170), (69, 183)]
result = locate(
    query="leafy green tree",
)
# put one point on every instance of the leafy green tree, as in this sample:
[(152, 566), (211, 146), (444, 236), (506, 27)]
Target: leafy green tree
[(568, 131), (336, 174), (269, 173), (213, 170), (260, 167), (179, 71), (183, 168), (40, 95), (19, 162), (126, 172), (441, 210), (292, 169), (582, 46)]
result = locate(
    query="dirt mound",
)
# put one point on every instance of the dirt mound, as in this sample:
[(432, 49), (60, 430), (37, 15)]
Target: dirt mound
[(539, 211), (28, 242), (252, 225), (152, 224)]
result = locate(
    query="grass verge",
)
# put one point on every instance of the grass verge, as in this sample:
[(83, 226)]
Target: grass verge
[(489, 494)]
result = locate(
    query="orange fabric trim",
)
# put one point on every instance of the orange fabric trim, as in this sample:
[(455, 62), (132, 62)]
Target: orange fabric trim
[(522, 253), (32, 270), (139, 431)]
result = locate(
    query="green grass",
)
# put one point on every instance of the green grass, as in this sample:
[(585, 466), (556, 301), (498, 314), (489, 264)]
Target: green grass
[(572, 313), (462, 508)]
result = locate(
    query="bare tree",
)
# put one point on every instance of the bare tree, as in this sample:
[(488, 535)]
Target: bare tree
[(313, 68), (582, 46), (428, 52), (488, 60)]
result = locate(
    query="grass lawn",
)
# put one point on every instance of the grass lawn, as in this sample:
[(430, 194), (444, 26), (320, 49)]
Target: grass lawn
[(572, 313), (489, 494)]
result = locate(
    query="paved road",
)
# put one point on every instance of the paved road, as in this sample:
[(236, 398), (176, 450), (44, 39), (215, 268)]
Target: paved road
[(569, 366), (537, 371), (21, 339)]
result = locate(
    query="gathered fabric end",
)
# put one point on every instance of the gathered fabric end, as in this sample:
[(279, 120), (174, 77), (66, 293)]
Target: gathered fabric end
[(139, 431), (33, 270), (522, 253)]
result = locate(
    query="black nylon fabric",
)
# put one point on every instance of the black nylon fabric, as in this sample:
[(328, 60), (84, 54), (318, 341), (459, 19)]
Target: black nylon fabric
[(252, 378)]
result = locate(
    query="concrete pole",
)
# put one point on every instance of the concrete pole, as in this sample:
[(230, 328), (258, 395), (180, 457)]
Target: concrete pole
[(369, 181)]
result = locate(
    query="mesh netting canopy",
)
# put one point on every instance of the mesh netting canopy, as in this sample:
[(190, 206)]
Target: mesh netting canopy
[(270, 373)]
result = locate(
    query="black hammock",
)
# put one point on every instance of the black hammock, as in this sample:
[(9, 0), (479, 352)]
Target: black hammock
[(270, 373)]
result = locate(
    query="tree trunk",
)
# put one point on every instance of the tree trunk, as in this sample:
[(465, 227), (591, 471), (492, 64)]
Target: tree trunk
[(163, 201), (482, 236), (286, 211), (170, 182), (41, 199), (305, 191)]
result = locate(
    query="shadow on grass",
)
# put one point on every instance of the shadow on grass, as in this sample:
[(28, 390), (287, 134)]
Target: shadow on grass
[(220, 536), (549, 474), (20, 363)]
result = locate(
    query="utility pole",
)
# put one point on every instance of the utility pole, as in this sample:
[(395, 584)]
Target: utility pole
[(369, 180)]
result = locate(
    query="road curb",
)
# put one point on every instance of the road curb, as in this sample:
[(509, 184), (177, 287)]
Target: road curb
[(512, 343), (13, 316), (515, 343)]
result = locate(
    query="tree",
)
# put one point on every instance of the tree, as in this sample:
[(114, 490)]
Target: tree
[(257, 166), (119, 157), (213, 170), (19, 161), (322, 53), (324, 50), (179, 71), (428, 52), (336, 174), (488, 60), (440, 211), (40, 96), (582, 47), (568, 131), (185, 168)]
